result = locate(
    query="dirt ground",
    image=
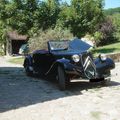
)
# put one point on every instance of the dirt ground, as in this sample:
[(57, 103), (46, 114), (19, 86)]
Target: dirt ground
[(25, 98)]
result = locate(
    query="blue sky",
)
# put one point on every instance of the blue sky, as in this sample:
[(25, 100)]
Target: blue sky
[(112, 3), (108, 3)]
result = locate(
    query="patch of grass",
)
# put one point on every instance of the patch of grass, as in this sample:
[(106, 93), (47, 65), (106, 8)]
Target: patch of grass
[(96, 114), (112, 48), (19, 60)]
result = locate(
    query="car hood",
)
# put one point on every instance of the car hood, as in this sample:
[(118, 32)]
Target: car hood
[(79, 45), (67, 52), (76, 46)]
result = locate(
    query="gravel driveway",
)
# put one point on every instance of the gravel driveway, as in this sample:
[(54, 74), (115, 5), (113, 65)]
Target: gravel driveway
[(25, 98)]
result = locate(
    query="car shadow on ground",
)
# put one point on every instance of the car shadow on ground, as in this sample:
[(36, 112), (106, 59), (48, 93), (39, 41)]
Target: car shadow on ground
[(17, 90)]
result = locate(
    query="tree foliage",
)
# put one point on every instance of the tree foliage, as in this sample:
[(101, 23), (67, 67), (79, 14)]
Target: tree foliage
[(48, 14), (116, 23), (98, 36), (79, 17), (82, 16), (27, 16), (107, 29)]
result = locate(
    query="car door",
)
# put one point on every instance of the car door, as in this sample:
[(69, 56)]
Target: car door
[(42, 62)]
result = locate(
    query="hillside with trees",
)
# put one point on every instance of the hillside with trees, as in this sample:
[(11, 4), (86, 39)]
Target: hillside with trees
[(112, 11)]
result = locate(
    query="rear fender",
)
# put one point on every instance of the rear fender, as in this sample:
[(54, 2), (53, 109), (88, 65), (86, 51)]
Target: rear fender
[(28, 58)]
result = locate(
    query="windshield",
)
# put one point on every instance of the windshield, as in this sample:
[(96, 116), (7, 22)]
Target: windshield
[(59, 45)]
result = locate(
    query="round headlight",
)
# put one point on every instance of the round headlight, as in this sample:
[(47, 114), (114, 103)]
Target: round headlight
[(76, 58), (103, 57)]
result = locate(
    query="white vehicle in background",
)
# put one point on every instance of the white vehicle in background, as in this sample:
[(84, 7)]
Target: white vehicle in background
[(24, 49)]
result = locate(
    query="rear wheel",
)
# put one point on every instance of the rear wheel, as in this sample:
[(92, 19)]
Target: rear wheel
[(28, 69), (62, 78)]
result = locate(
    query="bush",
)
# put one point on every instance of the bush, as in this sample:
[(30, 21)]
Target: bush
[(107, 30), (40, 40), (98, 36), (116, 23)]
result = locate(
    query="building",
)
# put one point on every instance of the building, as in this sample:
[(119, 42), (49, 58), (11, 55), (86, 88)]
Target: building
[(14, 42)]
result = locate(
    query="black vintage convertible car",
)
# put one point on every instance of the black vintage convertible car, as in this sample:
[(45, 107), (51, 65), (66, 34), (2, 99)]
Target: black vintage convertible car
[(67, 60)]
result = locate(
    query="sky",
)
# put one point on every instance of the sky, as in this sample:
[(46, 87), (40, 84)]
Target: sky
[(108, 3), (112, 3)]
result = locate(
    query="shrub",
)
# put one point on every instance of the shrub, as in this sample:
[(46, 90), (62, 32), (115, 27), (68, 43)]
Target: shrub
[(98, 36), (40, 40), (107, 29), (116, 23)]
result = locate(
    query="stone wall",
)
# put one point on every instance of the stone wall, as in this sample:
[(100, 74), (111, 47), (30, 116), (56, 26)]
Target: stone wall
[(114, 56)]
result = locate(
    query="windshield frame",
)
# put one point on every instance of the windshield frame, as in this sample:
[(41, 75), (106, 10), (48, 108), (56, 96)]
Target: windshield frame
[(58, 42)]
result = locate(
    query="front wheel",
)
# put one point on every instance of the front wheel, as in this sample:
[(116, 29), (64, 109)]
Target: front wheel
[(62, 79)]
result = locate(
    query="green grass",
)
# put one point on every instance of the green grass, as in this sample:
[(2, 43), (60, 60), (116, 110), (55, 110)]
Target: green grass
[(19, 60), (112, 48), (96, 114)]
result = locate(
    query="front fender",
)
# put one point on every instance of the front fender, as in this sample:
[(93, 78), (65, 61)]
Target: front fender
[(65, 63), (103, 66)]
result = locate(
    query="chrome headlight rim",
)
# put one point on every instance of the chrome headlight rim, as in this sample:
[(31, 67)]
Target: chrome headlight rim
[(76, 58), (102, 57)]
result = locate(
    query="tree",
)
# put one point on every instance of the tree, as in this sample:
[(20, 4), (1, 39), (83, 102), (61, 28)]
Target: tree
[(116, 24), (82, 16), (3, 17), (24, 15), (17, 15), (48, 14), (107, 29)]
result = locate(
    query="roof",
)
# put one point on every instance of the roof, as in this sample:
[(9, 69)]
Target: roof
[(15, 36)]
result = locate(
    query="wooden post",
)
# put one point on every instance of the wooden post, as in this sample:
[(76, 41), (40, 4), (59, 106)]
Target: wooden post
[(9, 47)]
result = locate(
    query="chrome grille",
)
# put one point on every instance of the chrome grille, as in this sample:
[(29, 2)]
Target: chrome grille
[(88, 65)]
